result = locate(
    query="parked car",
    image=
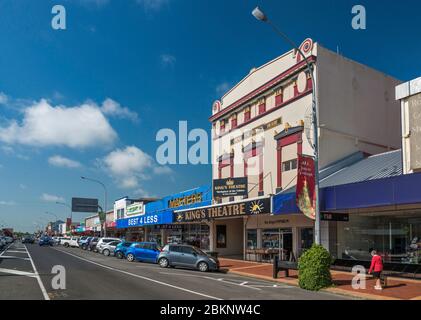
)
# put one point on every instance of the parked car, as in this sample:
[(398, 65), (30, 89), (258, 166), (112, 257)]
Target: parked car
[(104, 240), (186, 256), (9, 240), (83, 242), (121, 249), (28, 239), (46, 241), (107, 248), (143, 251), (2, 242), (92, 244), (70, 242)]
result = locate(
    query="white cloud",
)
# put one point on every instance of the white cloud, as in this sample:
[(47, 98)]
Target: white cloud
[(142, 193), (51, 198), (130, 165), (45, 125), (22, 186), (152, 5), (7, 203), (168, 60), (60, 161), (222, 88), (3, 98), (112, 108)]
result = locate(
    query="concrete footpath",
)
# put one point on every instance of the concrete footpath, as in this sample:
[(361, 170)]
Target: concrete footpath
[(397, 288)]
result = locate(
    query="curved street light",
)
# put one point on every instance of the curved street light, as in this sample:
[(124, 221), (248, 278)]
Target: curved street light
[(105, 204), (261, 16)]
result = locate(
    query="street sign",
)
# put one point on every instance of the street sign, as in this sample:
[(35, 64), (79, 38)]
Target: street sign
[(343, 217), (84, 205)]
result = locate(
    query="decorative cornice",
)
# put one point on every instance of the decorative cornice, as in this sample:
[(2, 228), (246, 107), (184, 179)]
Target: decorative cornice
[(268, 85)]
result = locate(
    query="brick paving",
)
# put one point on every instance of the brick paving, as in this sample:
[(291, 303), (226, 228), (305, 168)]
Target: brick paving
[(397, 288)]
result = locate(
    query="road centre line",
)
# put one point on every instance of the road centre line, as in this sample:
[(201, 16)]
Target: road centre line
[(138, 276), (41, 285)]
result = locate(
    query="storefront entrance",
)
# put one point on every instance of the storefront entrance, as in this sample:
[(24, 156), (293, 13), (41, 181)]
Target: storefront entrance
[(278, 242)]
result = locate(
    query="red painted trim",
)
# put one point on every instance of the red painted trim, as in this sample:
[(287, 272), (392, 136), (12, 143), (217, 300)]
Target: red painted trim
[(300, 144), (279, 166), (232, 169), (301, 95), (233, 123), (245, 167), (247, 116), (293, 70), (296, 92), (279, 99), (262, 108), (253, 152), (285, 141), (309, 83), (261, 172)]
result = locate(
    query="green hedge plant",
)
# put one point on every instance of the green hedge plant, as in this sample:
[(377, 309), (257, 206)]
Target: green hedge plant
[(314, 269)]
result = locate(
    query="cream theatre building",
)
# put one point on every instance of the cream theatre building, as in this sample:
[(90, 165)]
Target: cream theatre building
[(261, 124)]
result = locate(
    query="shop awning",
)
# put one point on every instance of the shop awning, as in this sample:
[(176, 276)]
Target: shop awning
[(147, 219)]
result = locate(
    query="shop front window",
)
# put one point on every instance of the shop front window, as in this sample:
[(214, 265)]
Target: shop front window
[(396, 236), (307, 236), (196, 235), (252, 239)]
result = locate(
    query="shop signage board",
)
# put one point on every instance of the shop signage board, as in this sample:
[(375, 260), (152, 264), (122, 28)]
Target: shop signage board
[(84, 205), (185, 200), (232, 209), (342, 217), (305, 191), (414, 109), (146, 220), (135, 209), (230, 187)]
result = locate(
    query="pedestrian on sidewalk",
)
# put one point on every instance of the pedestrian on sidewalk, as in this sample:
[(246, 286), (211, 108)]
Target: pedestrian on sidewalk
[(376, 269)]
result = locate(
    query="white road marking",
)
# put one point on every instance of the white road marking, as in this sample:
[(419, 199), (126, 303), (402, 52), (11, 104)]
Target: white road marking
[(243, 283), (41, 285), (15, 251), (6, 249), (13, 257), (211, 278), (19, 273), (138, 276)]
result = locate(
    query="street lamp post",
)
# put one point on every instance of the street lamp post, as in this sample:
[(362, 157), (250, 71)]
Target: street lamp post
[(71, 212), (260, 15), (105, 204)]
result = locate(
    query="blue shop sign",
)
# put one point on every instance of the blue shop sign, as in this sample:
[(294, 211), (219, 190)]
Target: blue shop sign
[(146, 220)]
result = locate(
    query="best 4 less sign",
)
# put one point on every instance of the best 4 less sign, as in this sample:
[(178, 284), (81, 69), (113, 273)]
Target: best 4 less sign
[(135, 209)]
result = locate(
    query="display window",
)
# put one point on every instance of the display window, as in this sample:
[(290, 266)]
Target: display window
[(396, 236), (252, 239)]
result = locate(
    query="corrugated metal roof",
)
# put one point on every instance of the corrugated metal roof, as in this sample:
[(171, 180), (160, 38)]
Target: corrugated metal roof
[(379, 166)]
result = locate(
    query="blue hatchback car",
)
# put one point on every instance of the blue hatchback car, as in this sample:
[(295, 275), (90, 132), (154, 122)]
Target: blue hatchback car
[(143, 251), (121, 249), (46, 241)]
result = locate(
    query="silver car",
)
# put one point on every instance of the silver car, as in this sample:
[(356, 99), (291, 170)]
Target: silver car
[(107, 248), (186, 256)]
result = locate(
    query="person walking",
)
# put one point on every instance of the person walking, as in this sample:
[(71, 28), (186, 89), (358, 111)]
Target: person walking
[(376, 269)]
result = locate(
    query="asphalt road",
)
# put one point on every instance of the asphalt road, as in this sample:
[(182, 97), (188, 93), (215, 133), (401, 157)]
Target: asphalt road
[(26, 273)]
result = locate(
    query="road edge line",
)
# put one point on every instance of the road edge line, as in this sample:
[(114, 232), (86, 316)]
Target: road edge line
[(41, 285)]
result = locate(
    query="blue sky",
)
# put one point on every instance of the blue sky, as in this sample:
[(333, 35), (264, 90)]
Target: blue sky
[(133, 67)]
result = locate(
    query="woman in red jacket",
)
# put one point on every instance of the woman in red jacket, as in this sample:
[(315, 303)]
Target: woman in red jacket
[(376, 268)]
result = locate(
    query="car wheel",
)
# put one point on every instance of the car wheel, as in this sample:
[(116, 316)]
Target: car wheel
[(119, 255), (203, 266), (106, 252), (66, 245), (130, 257), (163, 262)]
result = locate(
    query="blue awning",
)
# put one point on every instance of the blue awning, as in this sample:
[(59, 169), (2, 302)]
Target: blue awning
[(284, 203)]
